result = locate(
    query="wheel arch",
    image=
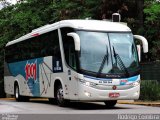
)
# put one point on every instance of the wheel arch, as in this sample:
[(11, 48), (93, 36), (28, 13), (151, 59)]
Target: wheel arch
[(56, 84), (16, 83)]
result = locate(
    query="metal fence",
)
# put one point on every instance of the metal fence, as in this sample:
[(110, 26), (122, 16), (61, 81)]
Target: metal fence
[(150, 71), (150, 84)]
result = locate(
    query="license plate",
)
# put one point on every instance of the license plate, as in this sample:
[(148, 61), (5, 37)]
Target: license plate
[(114, 95)]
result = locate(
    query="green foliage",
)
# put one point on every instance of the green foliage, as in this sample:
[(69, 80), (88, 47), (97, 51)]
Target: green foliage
[(152, 28), (150, 90), (152, 12)]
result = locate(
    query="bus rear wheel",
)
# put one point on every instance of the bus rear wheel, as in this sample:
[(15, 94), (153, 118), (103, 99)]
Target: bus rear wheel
[(52, 101), (17, 95), (110, 103), (59, 96)]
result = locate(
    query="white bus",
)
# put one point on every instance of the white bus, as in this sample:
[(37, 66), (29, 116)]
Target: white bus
[(75, 60)]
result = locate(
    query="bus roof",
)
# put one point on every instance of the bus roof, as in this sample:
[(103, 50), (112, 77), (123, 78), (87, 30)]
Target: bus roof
[(94, 25)]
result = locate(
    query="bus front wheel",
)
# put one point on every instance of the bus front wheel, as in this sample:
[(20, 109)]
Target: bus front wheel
[(59, 96), (110, 103)]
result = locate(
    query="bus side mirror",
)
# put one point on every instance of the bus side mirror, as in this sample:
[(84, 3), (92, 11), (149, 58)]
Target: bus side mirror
[(144, 42), (76, 40)]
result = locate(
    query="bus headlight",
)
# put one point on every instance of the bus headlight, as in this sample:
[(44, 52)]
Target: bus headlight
[(87, 83), (87, 94)]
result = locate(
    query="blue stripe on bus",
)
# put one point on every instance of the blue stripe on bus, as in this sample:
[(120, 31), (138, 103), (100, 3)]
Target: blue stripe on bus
[(134, 78)]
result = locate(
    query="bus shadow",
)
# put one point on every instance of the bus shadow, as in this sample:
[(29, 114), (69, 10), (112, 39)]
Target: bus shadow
[(91, 106), (83, 105)]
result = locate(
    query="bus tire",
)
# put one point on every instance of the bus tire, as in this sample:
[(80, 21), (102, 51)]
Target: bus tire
[(110, 103), (59, 96), (17, 95), (52, 101)]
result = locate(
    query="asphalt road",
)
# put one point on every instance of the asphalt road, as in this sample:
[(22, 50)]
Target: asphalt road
[(44, 107)]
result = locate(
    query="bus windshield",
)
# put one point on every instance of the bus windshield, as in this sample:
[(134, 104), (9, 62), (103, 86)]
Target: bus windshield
[(108, 53)]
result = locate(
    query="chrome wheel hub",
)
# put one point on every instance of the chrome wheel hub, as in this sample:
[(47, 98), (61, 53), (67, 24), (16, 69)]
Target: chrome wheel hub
[(60, 95)]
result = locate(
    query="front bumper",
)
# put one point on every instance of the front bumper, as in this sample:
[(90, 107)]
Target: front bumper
[(87, 93)]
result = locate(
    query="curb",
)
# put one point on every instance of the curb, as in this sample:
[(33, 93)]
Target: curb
[(146, 103)]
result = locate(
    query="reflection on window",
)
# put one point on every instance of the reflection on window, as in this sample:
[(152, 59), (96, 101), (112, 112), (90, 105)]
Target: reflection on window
[(124, 46), (94, 47), (99, 47)]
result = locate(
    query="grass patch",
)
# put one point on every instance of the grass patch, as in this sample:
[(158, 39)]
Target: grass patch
[(150, 90)]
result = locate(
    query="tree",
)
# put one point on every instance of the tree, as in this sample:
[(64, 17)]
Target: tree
[(152, 28), (140, 4)]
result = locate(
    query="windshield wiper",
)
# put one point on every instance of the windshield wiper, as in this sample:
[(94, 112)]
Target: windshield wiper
[(120, 62), (103, 62)]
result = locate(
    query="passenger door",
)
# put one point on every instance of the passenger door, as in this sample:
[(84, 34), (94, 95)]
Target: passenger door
[(70, 62)]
